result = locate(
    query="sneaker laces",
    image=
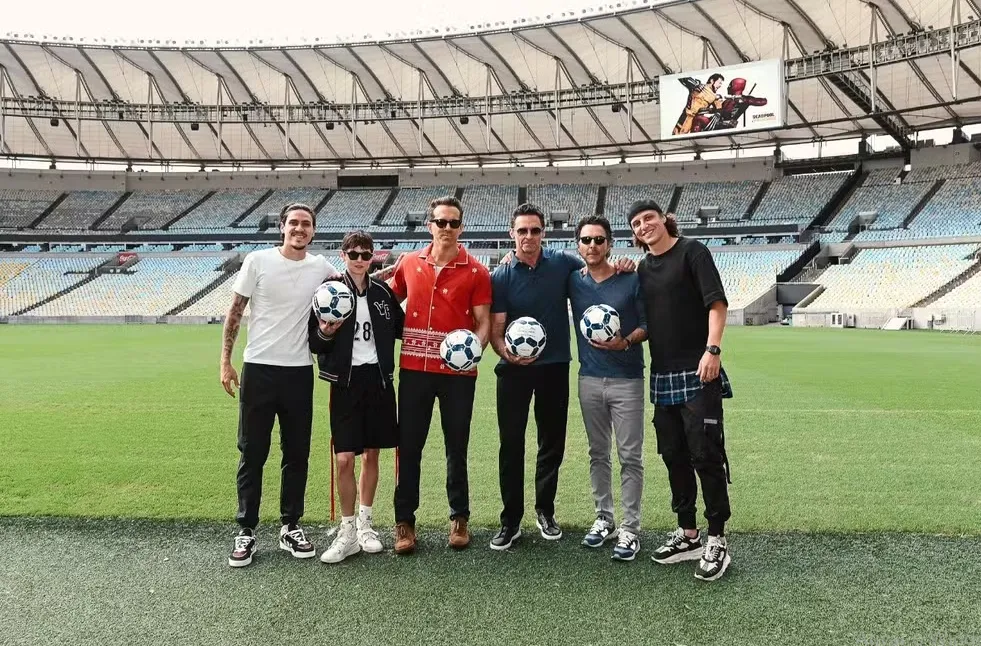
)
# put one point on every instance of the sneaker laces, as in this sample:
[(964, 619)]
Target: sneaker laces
[(598, 526), (676, 538), (713, 550), (626, 539), (242, 543), (297, 535), (366, 531)]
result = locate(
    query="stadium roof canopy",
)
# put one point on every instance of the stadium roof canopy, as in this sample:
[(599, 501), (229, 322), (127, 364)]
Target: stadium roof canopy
[(563, 89)]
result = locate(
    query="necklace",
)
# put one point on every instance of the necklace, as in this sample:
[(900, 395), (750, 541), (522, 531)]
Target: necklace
[(294, 276)]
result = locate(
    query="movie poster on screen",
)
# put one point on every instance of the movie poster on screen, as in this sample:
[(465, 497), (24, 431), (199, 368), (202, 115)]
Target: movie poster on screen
[(723, 100)]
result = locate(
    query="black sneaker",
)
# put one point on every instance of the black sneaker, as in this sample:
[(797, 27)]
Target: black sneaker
[(549, 528), (715, 561), (505, 538), (293, 540), (678, 548), (244, 549)]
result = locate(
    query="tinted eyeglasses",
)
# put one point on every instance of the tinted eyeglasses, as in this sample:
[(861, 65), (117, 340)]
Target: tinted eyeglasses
[(533, 231), (588, 240), (363, 255), (441, 223)]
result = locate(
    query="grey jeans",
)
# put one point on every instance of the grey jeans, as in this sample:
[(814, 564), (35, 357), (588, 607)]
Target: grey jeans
[(615, 408)]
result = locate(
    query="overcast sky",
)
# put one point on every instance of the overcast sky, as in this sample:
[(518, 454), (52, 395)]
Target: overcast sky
[(251, 19)]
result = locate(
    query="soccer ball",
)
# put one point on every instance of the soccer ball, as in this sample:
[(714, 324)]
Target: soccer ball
[(525, 337), (333, 302), (599, 323), (460, 350)]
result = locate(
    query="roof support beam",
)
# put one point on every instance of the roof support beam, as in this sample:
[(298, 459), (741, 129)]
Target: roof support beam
[(485, 118)]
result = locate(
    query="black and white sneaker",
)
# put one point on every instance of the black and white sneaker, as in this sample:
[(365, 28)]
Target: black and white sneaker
[(627, 546), (678, 548), (245, 545), (293, 540), (549, 528), (505, 538), (715, 561), (601, 531)]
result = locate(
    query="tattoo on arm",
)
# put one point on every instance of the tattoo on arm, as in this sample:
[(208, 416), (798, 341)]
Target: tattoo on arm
[(232, 322)]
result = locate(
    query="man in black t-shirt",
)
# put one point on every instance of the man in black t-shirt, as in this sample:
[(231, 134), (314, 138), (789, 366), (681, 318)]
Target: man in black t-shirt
[(686, 315)]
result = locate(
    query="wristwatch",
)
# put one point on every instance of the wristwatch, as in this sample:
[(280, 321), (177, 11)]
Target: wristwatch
[(713, 349), (628, 344)]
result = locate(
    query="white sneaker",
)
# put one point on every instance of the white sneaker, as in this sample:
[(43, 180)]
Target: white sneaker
[(344, 545), (368, 537)]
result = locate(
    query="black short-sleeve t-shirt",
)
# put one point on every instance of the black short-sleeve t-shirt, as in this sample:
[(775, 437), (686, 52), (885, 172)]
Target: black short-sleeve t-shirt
[(679, 288)]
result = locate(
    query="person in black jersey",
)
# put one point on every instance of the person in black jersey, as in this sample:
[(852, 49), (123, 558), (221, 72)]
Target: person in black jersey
[(686, 315)]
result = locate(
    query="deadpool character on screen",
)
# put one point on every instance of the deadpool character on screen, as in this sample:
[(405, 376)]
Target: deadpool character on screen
[(732, 109)]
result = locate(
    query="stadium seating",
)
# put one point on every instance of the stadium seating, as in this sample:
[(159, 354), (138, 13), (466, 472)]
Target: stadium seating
[(159, 207), (746, 275), (798, 198), (220, 210), (619, 199), (25, 282), (79, 210), (577, 199), (352, 209), (732, 198), (967, 295), (156, 285), (415, 199), (19, 208), (894, 277), (489, 208), (955, 210), (275, 203)]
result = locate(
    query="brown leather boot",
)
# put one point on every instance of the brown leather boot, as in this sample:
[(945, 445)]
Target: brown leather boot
[(405, 538), (459, 536)]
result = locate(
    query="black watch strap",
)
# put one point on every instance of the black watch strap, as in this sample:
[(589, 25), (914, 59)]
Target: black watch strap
[(713, 349)]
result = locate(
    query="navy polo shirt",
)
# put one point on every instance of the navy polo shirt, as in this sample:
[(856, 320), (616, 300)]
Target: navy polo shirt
[(622, 292), (540, 292)]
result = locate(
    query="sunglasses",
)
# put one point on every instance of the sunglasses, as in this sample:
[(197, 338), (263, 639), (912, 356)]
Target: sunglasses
[(534, 231), (588, 240), (454, 224), (363, 255)]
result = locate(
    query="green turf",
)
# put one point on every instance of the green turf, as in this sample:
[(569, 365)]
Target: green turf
[(830, 430), (85, 582)]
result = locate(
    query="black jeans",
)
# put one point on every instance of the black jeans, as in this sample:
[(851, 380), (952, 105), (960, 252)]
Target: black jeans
[(268, 392), (549, 384), (418, 392), (691, 440)]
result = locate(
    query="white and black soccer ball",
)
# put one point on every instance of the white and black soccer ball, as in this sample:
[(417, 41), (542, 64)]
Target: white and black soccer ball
[(599, 323), (525, 337), (461, 350), (333, 302)]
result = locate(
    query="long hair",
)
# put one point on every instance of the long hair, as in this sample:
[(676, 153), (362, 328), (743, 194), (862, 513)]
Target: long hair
[(670, 225)]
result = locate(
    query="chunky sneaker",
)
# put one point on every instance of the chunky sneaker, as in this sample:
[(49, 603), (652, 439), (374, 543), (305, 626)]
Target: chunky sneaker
[(549, 528), (505, 538), (405, 538), (459, 534), (293, 540), (601, 531), (627, 546), (715, 560), (368, 537), (244, 549), (345, 544), (678, 548)]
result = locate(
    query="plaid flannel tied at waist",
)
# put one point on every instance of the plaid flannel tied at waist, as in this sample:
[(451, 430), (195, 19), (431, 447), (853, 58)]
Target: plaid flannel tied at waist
[(673, 388)]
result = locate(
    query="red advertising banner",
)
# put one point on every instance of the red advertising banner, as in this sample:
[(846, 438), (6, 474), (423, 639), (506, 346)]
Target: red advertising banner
[(125, 256)]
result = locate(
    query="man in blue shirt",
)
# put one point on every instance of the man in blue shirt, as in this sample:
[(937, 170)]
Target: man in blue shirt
[(611, 387), (534, 283)]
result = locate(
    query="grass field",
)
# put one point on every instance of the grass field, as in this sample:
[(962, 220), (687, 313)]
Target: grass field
[(856, 511)]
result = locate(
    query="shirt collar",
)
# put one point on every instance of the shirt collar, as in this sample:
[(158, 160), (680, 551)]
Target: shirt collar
[(462, 257)]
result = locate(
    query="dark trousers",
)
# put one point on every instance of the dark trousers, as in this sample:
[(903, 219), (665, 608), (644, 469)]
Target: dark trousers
[(549, 384), (691, 440), (268, 392), (418, 392)]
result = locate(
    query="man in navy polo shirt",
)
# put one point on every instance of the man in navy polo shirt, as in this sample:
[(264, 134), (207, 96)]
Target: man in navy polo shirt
[(534, 283)]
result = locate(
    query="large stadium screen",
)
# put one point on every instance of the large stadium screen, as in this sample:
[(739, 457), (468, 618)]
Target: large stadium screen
[(723, 100)]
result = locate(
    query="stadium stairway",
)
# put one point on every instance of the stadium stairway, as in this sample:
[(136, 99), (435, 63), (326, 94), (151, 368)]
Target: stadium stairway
[(385, 207), (320, 205), (459, 193), (760, 194), (174, 220), (112, 209), (839, 199), (47, 211), (85, 281), (969, 273), (522, 195), (675, 198), (601, 200), (228, 269), (923, 202), (251, 209)]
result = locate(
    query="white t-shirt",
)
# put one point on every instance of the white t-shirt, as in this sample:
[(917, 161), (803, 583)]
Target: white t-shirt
[(364, 337), (280, 293)]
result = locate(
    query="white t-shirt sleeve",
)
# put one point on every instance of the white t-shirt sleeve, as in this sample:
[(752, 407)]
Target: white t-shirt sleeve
[(246, 280)]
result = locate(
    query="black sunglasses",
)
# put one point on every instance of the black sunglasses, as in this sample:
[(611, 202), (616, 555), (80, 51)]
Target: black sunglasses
[(588, 240), (363, 255), (454, 224), (535, 231)]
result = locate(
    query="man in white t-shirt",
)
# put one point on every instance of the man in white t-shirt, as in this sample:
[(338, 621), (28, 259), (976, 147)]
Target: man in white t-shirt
[(277, 376)]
